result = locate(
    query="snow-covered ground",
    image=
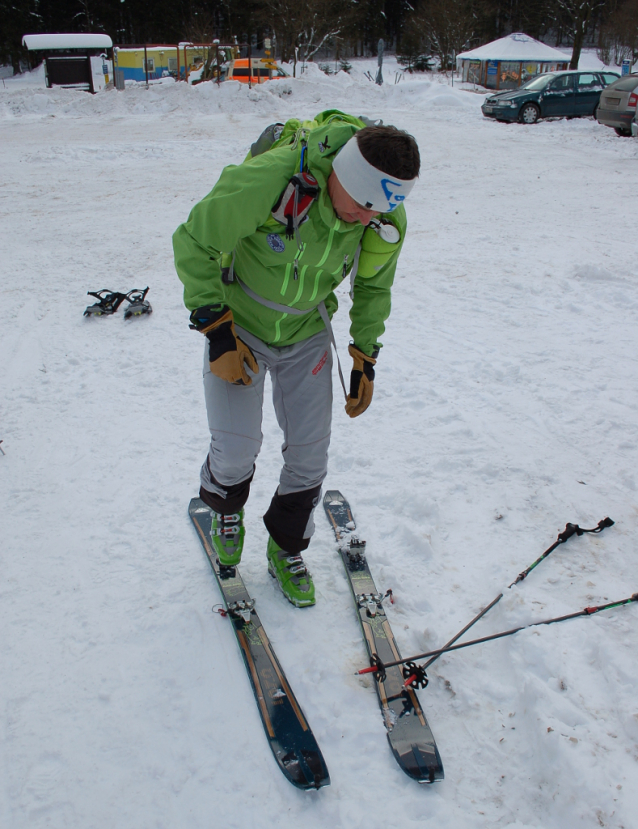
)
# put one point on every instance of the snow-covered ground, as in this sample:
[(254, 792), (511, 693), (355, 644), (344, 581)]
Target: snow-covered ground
[(505, 405)]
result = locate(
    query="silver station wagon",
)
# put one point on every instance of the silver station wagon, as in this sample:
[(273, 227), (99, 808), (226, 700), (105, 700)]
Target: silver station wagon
[(617, 107)]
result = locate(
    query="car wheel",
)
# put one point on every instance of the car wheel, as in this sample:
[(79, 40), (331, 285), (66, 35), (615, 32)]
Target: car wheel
[(623, 133), (529, 114)]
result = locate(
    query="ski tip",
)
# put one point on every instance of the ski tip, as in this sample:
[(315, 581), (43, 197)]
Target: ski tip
[(421, 762), (305, 768)]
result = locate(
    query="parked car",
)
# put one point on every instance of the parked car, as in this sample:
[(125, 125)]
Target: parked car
[(634, 125), (571, 94), (617, 106)]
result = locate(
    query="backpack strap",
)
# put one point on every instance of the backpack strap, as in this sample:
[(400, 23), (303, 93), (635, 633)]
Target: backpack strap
[(297, 312)]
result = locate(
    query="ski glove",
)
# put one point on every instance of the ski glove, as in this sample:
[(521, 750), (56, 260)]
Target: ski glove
[(228, 356), (361, 382)]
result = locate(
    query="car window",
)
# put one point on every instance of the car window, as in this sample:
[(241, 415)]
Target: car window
[(588, 81), (626, 84), (538, 83), (563, 82), (609, 78)]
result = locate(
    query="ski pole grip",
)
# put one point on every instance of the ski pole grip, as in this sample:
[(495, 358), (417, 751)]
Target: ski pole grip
[(570, 529)]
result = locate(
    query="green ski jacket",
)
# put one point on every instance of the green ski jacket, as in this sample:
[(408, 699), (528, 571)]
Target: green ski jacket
[(236, 217)]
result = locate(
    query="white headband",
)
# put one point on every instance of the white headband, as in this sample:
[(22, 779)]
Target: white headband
[(369, 187)]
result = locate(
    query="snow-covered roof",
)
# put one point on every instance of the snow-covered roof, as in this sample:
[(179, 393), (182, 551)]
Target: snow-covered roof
[(67, 41), (517, 46)]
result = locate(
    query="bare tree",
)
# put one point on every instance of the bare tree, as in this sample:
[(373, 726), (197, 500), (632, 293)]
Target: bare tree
[(619, 35), (305, 26), (579, 13), (84, 15), (410, 54), (201, 26), (448, 25)]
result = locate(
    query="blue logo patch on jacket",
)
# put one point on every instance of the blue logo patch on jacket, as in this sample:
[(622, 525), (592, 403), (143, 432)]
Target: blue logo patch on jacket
[(276, 242)]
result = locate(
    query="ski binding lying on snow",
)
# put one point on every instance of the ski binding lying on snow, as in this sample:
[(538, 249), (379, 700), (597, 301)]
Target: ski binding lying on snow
[(109, 302), (138, 304)]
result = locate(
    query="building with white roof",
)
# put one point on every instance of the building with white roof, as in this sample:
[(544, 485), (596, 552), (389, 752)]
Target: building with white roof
[(508, 62), (74, 60), (66, 42)]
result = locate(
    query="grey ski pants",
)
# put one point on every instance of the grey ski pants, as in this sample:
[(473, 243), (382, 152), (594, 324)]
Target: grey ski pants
[(301, 376)]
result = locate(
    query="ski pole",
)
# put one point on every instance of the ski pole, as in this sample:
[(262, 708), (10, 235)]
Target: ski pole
[(380, 667), (568, 532)]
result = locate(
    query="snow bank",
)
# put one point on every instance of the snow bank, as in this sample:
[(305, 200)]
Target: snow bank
[(310, 92)]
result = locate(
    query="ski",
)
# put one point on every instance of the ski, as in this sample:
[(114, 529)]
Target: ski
[(408, 732), (289, 735)]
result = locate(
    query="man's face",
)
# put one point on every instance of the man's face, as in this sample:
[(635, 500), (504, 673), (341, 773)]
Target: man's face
[(345, 206)]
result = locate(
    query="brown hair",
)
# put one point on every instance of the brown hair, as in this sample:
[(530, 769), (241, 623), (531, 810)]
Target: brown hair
[(390, 150)]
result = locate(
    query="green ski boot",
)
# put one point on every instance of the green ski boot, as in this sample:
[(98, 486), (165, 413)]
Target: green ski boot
[(227, 537), (291, 574)]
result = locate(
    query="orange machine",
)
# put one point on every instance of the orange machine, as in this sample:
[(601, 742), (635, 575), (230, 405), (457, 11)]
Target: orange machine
[(262, 69)]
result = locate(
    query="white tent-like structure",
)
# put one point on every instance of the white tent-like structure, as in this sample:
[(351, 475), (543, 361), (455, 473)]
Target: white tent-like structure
[(508, 62)]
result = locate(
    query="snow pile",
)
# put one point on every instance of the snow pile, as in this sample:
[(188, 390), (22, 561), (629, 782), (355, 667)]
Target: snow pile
[(312, 89), (505, 405)]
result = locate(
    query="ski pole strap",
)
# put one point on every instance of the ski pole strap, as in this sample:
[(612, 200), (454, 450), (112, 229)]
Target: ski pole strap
[(574, 529), (288, 309)]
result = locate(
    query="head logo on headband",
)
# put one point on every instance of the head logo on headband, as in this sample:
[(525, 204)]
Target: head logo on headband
[(366, 184), (389, 194)]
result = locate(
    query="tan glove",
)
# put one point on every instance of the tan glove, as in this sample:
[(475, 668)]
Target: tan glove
[(228, 356), (361, 382)]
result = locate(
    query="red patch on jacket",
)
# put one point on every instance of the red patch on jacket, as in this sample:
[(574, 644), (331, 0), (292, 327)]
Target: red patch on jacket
[(320, 364)]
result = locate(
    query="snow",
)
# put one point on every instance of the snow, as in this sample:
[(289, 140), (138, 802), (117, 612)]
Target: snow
[(505, 406), (67, 41), (517, 46)]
